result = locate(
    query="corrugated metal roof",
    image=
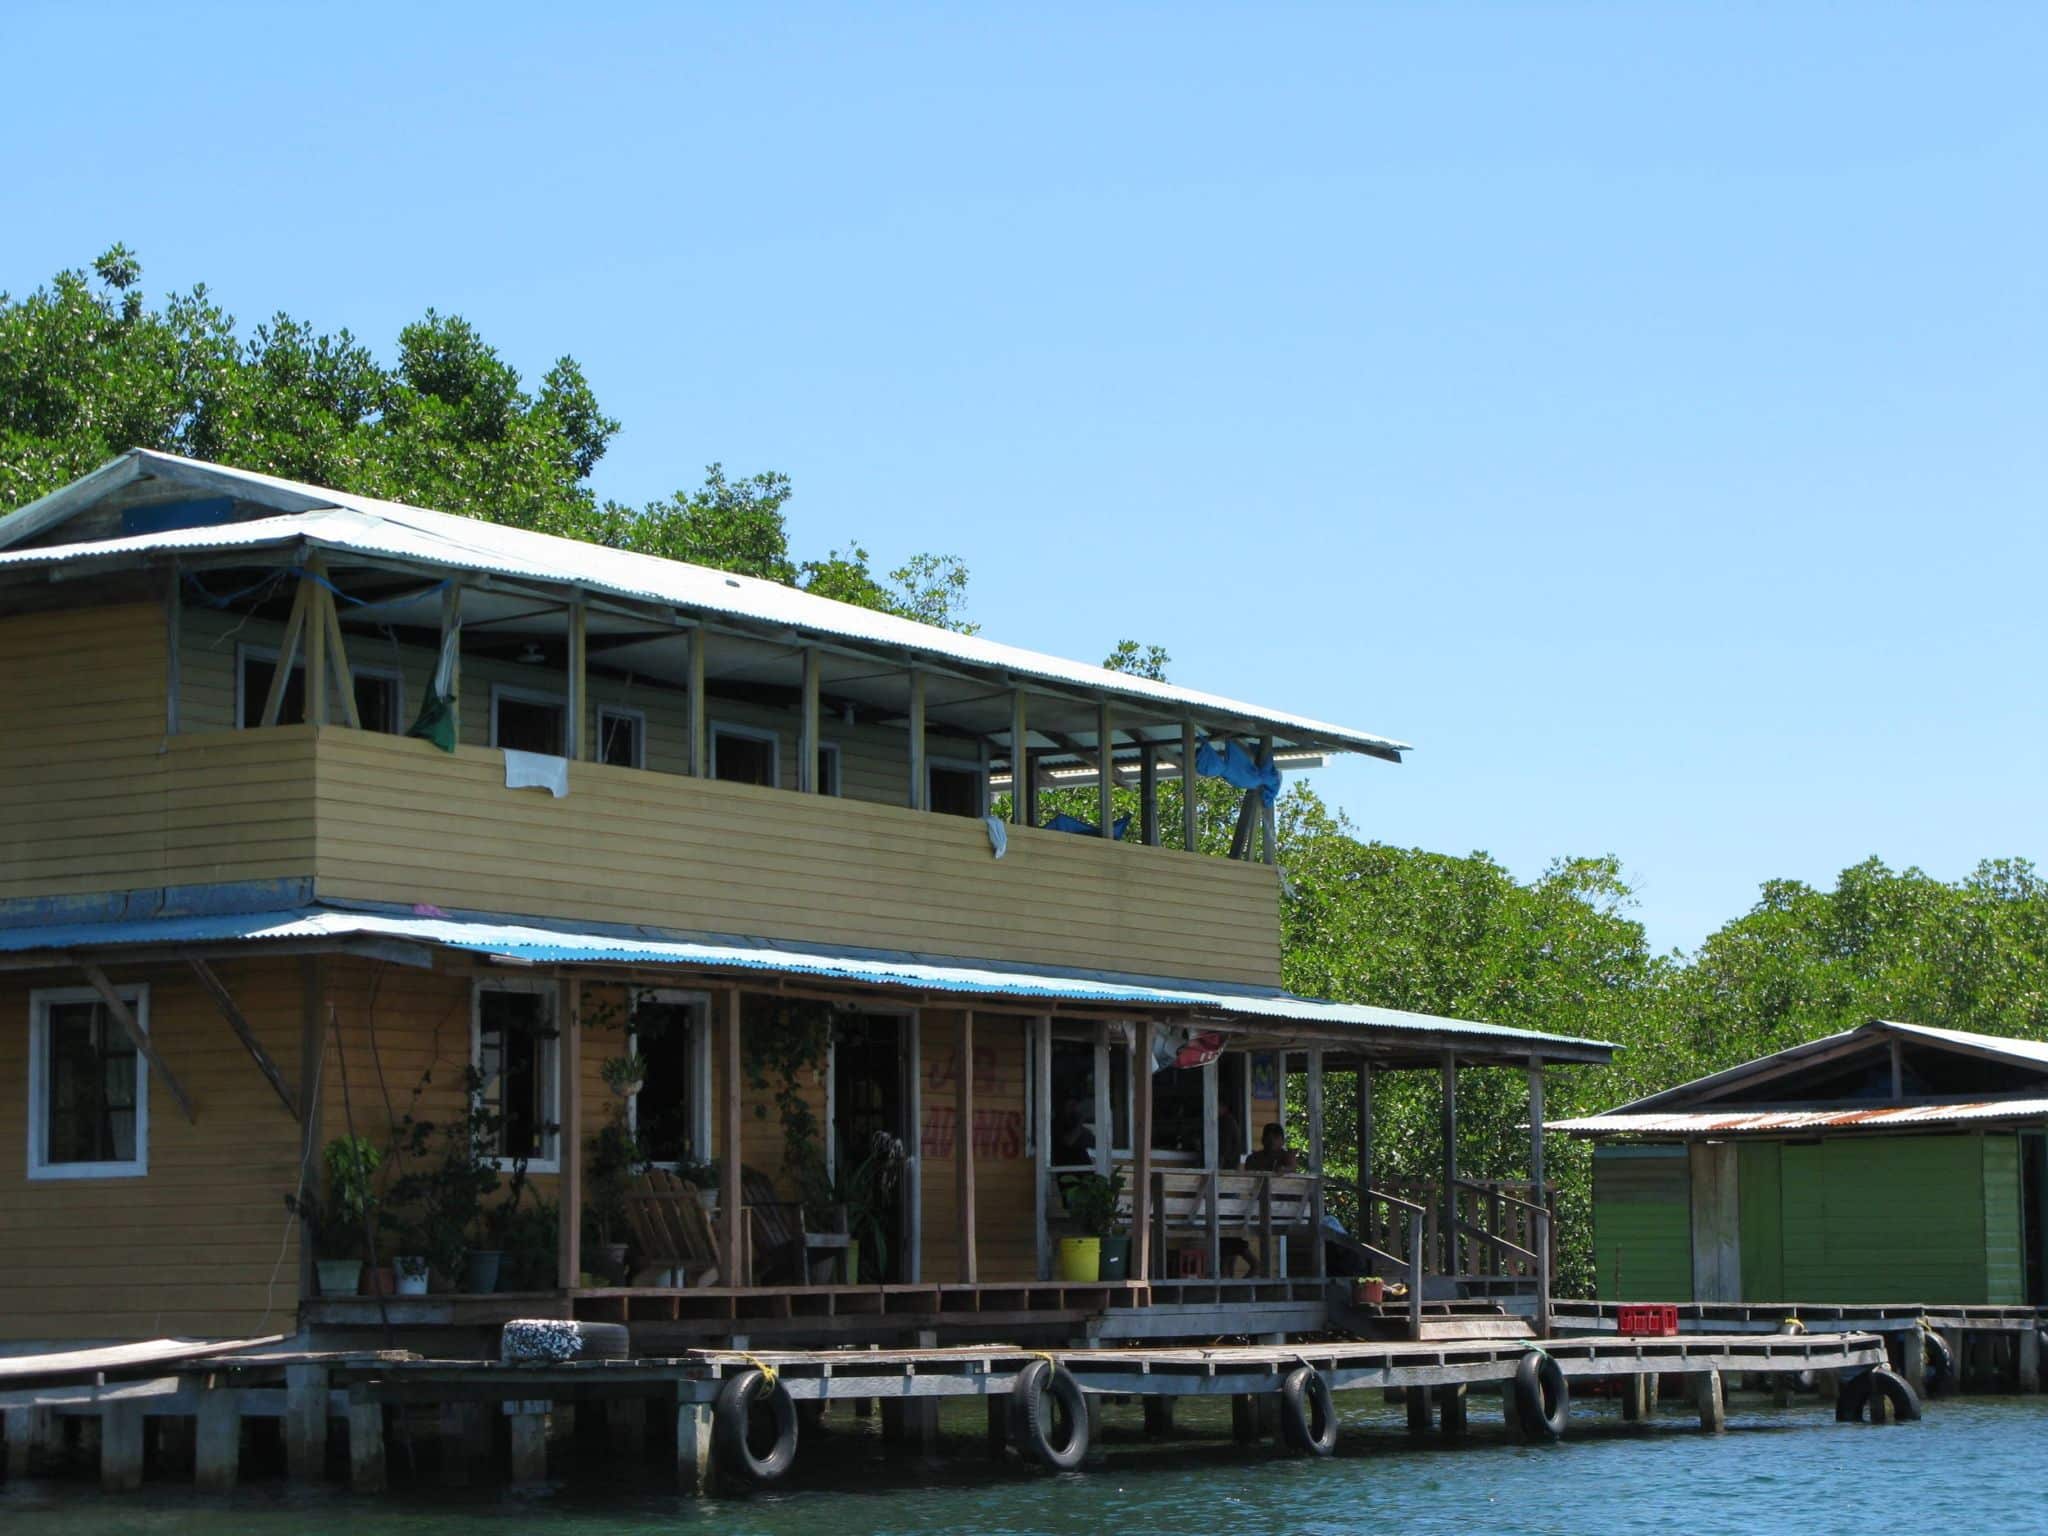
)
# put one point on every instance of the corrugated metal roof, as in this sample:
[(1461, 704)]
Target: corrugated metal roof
[(550, 945), (1790, 1121), (363, 525)]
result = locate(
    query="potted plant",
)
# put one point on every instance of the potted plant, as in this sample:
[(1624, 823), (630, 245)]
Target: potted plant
[(858, 1202), (1091, 1202), (624, 1075), (449, 1188), (340, 1222), (615, 1159), (1372, 1291)]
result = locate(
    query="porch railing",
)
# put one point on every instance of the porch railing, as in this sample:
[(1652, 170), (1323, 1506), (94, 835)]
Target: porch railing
[(1494, 1234)]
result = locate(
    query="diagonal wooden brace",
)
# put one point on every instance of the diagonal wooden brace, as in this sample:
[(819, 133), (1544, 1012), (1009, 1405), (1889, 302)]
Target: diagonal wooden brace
[(125, 1017), (240, 1025)]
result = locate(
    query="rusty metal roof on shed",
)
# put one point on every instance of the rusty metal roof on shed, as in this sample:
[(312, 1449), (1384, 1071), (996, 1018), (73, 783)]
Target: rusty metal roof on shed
[(1718, 1123)]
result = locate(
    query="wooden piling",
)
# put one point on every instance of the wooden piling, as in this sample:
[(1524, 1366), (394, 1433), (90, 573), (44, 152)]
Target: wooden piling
[(997, 1435), (305, 1422), (1450, 1412), (1711, 1400), (1912, 1361), (121, 1447), (529, 1443), (29, 1432), (1418, 1410), (1511, 1409), (217, 1452), (1244, 1419), (1158, 1417), (1638, 1397), (2029, 1365), (693, 1447), (366, 1447)]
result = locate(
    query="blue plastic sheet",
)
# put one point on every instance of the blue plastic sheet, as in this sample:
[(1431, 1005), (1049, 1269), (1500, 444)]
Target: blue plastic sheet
[(1065, 823), (1234, 765)]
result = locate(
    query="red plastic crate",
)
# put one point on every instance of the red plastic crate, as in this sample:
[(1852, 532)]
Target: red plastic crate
[(1648, 1319)]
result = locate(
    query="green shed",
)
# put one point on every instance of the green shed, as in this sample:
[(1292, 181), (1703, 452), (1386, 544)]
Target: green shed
[(1890, 1163)]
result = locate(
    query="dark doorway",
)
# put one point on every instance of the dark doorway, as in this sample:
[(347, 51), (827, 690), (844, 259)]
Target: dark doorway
[(868, 1100), (1233, 1105), (2033, 1220)]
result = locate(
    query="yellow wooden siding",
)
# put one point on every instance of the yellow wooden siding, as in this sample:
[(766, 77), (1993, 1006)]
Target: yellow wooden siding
[(200, 1245), (400, 821), (1006, 1240)]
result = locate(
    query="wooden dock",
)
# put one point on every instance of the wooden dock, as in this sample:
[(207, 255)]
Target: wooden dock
[(363, 1395)]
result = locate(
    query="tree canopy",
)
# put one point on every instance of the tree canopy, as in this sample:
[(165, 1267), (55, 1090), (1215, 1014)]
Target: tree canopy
[(88, 370)]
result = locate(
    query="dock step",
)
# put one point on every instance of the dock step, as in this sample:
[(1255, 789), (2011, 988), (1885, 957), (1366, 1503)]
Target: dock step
[(1469, 1327)]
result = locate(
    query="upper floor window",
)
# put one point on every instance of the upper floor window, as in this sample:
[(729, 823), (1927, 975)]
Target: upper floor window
[(523, 720), (88, 1088), (672, 1110), (828, 769), (741, 754), (512, 1046), (622, 737), (957, 788), (379, 692)]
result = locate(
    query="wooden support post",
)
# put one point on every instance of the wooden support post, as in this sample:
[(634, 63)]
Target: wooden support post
[(174, 626), (1913, 1358), (576, 746), (138, 1037), (1637, 1397), (1511, 1409), (312, 1051), (1536, 1178), (217, 1454), (287, 654), (366, 1447), (2027, 1367), (700, 742), (225, 1002), (1364, 1091), (920, 778), (1148, 795), (730, 1215), (807, 743), (1105, 1122), (1318, 1258), (1190, 802), (316, 640), (913, 1162), (337, 660), (996, 1436), (1451, 1411), (569, 1138), (1449, 1130), (1244, 1419), (963, 1150), (1041, 1140), (1105, 766), (121, 1447), (529, 1443), (1708, 1396), (1141, 1153), (1269, 825), (1158, 1417), (1020, 762), (1418, 1410), (305, 1422)]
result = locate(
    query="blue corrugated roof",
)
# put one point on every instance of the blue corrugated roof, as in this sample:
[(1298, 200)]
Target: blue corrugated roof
[(543, 945)]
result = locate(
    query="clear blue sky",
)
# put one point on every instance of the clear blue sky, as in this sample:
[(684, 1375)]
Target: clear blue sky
[(1640, 408)]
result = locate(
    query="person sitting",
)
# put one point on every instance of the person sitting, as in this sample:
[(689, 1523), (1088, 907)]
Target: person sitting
[(1274, 1155)]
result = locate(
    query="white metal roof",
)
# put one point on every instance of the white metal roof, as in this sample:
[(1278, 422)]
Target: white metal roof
[(530, 943), (1717, 1123), (365, 526)]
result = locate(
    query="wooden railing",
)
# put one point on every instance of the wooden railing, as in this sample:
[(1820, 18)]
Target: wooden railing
[(1494, 1232), (1383, 1213), (1237, 1207)]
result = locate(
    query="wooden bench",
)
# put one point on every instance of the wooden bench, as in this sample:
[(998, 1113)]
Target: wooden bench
[(1229, 1210), (780, 1244)]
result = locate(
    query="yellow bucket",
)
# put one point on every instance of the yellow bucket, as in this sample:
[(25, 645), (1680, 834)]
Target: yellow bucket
[(1080, 1258)]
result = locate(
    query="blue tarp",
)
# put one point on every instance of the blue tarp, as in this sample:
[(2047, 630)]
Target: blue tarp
[(1234, 765), (1065, 823)]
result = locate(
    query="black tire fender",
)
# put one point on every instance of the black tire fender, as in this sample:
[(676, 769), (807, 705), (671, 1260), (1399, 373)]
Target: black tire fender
[(1308, 1415), (1039, 1398), (1858, 1390), (1542, 1399), (1941, 1363), (731, 1418)]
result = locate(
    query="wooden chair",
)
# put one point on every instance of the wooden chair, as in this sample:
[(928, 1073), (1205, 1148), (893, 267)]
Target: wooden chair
[(780, 1245), (672, 1229)]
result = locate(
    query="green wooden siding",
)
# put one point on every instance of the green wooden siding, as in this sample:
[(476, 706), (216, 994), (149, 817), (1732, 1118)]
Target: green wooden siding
[(1762, 1222), (2004, 1269), (1885, 1219), (1642, 1224)]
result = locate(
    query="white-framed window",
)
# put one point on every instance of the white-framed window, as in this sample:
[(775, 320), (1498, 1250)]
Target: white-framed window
[(829, 760), (529, 720), (670, 1031), (621, 736), (956, 786), (745, 754), (513, 1035), (379, 691), (88, 1087)]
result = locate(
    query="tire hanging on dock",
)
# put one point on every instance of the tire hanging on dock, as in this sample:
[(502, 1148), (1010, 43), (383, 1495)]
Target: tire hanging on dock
[(732, 1420), (1542, 1400), (1879, 1381), (1308, 1416), (1941, 1362), (1043, 1400)]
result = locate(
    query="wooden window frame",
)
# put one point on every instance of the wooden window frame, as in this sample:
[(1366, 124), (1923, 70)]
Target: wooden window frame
[(746, 733), (621, 712), (39, 1167), (700, 1063), (551, 1164), (525, 695), (969, 765), (247, 651)]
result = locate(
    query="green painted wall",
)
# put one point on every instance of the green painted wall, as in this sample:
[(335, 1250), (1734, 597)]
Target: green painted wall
[(2004, 1269), (1642, 1221), (1885, 1219), (1762, 1221)]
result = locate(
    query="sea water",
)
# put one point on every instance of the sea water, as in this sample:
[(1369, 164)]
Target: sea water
[(1972, 1463)]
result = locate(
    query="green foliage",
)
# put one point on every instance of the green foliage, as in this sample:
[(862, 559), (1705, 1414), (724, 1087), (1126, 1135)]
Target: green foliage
[(783, 1047), (341, 1221), (88, 371), (1091, 1201)]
